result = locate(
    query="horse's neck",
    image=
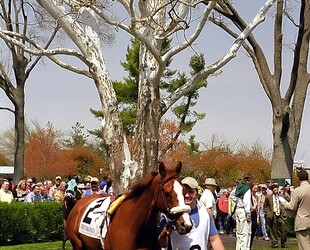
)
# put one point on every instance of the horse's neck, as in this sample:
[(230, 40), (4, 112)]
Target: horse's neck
[(142, 210)]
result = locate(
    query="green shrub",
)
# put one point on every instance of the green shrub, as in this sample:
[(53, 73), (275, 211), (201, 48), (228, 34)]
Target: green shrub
[(30, 222)]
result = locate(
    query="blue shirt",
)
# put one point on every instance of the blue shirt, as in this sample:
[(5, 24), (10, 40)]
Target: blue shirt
[(31, 197)]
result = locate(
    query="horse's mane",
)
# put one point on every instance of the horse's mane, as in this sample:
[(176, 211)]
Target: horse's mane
[(139, 187)]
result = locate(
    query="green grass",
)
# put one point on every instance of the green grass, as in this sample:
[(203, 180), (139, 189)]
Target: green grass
[(55, 245)]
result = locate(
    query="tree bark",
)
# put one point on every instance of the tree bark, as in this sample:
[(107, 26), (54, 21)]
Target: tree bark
[(19, 113)]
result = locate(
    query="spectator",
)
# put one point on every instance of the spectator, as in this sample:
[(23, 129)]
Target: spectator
[(223, 210), (106, 185), (21, 191), (254, 213), (60, 193), (203, 230), (94, 181), (5, 194), (231, 220), (207, 198), (55, 187), (11, 184), (242, 196), (300, 203), (29, 184), (34, 195), (269, 187), (286, 192), (45, 194), (262, 212), (87, 184), (276, 217)]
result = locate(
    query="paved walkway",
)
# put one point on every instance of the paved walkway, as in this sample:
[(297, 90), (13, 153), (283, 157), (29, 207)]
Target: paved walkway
[(230, 241)]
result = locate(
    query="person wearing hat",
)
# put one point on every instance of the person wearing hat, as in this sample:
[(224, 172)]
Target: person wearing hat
[(242, 195), (203, 230), (207, 198), (55, 187), (276, 217), (300, 203), (94, 182), (262, 214)]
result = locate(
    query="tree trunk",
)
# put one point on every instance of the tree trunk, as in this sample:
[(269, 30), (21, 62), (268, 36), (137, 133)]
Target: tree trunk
[(19, 134), (283, 150)]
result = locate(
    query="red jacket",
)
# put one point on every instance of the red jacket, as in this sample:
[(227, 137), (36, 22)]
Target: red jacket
[(223, 203)]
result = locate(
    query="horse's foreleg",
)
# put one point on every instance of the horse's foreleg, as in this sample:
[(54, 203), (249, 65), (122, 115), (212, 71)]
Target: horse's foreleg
[(64, 236)]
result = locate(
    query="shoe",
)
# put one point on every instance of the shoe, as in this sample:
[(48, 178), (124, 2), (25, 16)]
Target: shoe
[(274, 246), (266, 238), (283, 246), (221, 232)]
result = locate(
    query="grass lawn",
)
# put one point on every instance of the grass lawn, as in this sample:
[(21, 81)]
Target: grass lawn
[(56, 245)]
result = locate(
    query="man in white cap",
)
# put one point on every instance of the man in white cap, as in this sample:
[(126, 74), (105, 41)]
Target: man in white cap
[(207, 198), (203, 230), (94, 182), (55, 187)]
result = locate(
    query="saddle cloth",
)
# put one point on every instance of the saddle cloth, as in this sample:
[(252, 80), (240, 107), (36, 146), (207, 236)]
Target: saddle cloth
[(92, 222)]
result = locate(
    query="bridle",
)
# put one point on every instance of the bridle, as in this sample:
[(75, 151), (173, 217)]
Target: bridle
[(171, 213)]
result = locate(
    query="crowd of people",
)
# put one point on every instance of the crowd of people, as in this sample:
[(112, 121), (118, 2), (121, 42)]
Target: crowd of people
[(29, 190), (242, 211)]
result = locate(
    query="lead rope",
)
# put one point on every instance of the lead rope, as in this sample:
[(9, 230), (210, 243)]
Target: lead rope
[(170, 239)]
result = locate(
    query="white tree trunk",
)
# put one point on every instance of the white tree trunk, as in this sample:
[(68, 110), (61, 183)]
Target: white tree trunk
[(87, 40)]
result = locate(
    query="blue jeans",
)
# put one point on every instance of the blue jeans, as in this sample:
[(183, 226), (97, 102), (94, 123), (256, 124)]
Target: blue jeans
[(262, 218)]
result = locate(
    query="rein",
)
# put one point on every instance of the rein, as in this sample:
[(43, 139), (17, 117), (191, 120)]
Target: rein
[(171, 212)]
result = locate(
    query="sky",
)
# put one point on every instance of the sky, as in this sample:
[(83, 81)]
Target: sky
[(237, 109)]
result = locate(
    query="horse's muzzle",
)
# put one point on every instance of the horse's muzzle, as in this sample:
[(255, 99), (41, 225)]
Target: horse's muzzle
[(183, 224)]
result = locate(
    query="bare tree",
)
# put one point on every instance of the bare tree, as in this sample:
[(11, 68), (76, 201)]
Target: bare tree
[(287, 106), (152, 23), (15, 67)]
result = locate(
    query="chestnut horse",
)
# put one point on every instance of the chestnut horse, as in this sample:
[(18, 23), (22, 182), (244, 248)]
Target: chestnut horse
[(134, 225)]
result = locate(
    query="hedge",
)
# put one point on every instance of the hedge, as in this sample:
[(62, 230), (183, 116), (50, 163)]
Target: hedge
[(30, 222)]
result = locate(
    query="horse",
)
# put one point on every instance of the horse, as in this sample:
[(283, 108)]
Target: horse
[(135, 223), (72, 195)]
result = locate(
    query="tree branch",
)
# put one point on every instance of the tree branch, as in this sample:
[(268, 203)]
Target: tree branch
[(7, 109), (39, 51), (206, 72), (193, 37)]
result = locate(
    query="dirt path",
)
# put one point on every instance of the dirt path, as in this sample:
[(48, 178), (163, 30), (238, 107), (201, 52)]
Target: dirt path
[(230, 241)]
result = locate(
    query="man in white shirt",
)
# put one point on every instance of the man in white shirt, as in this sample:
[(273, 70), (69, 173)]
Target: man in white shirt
[(207, 198), (5, 194), (243, 197)]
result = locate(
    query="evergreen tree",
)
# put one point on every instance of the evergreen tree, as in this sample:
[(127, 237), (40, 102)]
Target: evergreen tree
[(77, 136), (127, 92)]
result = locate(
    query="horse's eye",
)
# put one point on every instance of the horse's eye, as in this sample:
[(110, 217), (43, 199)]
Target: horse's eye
[(167, 194)]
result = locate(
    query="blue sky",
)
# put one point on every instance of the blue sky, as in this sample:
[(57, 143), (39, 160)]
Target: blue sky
[(236, 107)]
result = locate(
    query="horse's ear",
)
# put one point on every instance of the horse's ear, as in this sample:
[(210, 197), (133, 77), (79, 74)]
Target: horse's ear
[(162, 169), (75, 188), (179, 168), (69, 177)]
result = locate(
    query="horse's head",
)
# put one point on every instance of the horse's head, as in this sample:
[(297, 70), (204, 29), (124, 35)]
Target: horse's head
[(71, 188), (171, 199)]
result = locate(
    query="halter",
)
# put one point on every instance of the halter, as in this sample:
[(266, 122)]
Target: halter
[(171, 212)]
